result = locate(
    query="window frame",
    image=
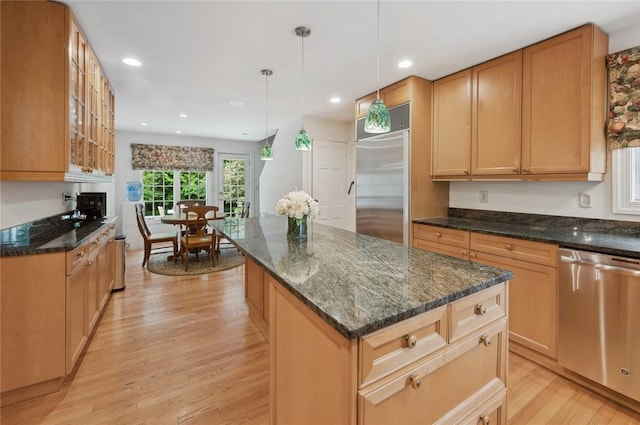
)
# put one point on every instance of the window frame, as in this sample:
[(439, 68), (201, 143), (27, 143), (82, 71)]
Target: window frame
[(625, 189), (177, 186)]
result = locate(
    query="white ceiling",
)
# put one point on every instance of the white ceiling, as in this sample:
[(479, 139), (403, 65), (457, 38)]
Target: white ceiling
[(198, 55)]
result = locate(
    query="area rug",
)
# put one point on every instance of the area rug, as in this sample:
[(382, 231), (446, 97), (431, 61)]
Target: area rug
[(229, 258)]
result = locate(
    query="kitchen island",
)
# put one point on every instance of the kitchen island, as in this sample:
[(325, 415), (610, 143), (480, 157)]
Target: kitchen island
[(362, 329)]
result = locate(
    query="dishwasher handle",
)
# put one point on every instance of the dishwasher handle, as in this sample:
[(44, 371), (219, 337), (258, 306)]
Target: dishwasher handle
[(607, 267)]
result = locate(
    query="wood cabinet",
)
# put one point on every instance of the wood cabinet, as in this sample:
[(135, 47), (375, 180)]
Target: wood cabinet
[(451, 144), (57, 120), (532, 289), (427, 198), (33, 324), (507, 119), (394, 375), (564, 106), (256, 294)]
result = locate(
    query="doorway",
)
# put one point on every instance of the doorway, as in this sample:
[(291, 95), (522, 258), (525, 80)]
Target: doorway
[(234, 177)]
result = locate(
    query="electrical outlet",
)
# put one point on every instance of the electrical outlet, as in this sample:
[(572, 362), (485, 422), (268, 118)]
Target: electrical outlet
[(64, 198), (484, 196), (585, 200)]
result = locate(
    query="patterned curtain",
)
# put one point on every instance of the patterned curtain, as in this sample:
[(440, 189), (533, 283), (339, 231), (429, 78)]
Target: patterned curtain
[(624, 98), (159, 157)]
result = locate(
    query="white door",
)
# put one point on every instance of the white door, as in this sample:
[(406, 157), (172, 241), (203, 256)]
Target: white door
[(329, 182), (234, 183)]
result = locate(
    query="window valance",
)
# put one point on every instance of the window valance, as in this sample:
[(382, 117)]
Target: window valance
[(161, 157), (624, 98)]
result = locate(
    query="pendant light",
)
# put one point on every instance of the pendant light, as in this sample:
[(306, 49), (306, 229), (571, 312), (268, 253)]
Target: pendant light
[(303, 140), (266, 154), (378, 119)]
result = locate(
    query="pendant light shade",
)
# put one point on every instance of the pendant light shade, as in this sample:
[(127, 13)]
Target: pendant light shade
[(303, 140), (378, 119), (266, 154)]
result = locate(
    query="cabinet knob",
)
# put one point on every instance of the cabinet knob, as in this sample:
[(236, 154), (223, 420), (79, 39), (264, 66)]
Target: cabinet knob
[(480, 309), (438, 235), (473, 255), (525, 170), (416, 381), (466, 172), (464, 253), (515, 169), (485, 420), (411, 340), (508, 247), (486, 340)]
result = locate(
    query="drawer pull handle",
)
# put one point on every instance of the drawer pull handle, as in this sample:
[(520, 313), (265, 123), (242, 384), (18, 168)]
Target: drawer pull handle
[(411, 340), (486, 340), (473, 255), (438, 235), (416, 381), (508, 247), (485, 420), (480, 309)]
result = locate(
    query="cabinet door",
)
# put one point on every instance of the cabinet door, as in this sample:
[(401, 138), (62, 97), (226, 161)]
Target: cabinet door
[(33, 319), (253, 287), (452, 125), (93, 295), (496, 125), (77, 317), (557, 104), (532, 302), (78, 96)]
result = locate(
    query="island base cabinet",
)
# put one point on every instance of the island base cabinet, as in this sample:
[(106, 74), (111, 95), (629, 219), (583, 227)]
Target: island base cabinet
[(431, 392)]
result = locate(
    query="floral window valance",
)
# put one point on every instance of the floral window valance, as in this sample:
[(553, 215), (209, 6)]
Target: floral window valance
[(624, 98), (160, 157)]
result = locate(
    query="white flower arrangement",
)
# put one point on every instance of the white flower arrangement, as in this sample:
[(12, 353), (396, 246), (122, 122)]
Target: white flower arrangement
[(297, 205)]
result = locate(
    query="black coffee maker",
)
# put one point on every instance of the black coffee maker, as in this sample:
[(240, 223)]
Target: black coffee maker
[(93, 205)]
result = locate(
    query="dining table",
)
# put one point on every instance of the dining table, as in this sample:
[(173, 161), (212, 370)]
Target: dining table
[(179, 218)]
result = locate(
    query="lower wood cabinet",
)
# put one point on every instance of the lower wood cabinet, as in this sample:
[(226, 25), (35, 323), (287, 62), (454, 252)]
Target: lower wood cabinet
[(445, 366), (256, 295), (532, 290), (50, 305), (33, 323)]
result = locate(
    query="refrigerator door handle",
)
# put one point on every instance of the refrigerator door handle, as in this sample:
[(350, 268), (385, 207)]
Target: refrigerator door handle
[(350, 187)]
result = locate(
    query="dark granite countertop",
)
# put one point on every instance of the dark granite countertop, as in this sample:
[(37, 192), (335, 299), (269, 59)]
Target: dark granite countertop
[(357, 283), (52, 234), (612, 237)]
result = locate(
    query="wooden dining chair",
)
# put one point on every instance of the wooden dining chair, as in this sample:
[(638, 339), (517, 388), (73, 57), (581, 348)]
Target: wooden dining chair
[(196, 235), (153, 238)]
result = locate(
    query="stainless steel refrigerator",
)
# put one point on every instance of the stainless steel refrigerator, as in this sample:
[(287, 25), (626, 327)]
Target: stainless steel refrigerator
[(382, 180)]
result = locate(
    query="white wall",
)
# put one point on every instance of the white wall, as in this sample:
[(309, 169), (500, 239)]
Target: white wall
[(552, 198), (285, 172)]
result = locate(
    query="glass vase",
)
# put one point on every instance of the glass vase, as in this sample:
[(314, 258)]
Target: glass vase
[(297, 227)]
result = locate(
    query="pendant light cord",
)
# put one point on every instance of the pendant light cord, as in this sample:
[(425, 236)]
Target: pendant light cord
[(303, 81), (378, 53), (266, 121)]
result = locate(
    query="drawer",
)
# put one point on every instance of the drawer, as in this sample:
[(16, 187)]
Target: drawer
[(76, 258), (107, 233), (436, 386), (396, 346), (439, 248), (492, 411), (475, 311), (441, 235), (519, 249)]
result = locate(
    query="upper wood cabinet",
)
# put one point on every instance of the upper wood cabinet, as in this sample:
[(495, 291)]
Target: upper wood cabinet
[(57, 120), (393, 95), (452, 125), (495, 116), (534, 114), (564, 106)]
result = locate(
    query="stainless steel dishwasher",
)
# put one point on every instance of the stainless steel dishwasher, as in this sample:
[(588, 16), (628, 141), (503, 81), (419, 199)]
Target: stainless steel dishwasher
[(599, 319)]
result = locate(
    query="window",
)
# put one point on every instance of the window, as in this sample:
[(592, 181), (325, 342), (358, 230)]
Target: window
[(164, 188), (626, 180)]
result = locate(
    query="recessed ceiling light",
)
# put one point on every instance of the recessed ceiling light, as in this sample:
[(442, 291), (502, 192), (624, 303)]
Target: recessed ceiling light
[(238, 103), (335, 100), (131, 61), (143, 124), (183, 115), (179, 131), (405, 63)]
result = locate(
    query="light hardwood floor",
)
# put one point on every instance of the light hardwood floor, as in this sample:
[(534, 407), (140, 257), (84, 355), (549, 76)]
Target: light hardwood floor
[(182, 350)]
